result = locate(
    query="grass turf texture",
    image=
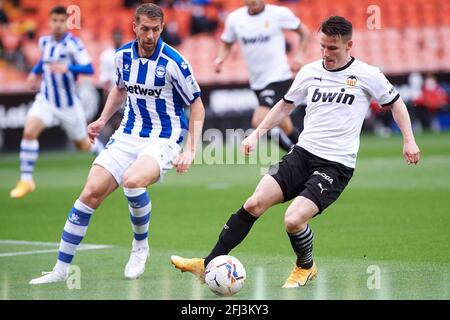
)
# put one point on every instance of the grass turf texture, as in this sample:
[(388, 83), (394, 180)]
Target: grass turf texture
[(392, 219)]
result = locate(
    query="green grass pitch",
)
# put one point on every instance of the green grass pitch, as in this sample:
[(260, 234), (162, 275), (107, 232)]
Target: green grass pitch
[(392, 223)]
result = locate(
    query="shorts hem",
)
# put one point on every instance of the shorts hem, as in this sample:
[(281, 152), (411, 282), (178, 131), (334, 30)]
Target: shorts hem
[(118, 181)]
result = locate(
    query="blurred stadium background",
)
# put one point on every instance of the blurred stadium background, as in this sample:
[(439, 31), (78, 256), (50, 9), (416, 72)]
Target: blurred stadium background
[(392, 216), (410, 45)]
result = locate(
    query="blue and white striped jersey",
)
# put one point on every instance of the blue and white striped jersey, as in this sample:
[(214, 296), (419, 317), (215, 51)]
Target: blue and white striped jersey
[(158, 88), (60, 89)]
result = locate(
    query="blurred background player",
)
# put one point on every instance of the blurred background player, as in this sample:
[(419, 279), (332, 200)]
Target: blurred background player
[(258, 27), (157, 83), (337, 90), (63, 58)]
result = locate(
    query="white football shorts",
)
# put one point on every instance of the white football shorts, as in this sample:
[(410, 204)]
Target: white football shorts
[(123, 149), (72, 119)]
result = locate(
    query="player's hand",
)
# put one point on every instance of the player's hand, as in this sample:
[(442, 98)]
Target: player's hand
[(249, 143), (296, 64), (183, 161), (218, 65), (411, 152), (58, 67), (94, 129), (33, 81)]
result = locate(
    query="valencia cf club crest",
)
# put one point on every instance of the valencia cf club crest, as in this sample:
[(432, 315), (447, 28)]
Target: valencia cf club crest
[(351, 81)]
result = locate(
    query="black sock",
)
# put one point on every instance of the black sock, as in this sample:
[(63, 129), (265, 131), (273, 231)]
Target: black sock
[(233, 232), (302, 243), (294, 135)]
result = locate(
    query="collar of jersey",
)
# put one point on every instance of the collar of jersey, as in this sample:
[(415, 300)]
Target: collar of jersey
[(155, 54), (341, 68), (63, 38)]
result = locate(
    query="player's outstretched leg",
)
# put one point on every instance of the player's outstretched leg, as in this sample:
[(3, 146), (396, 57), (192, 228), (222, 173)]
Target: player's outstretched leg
[(234, 231), (140, 206), (74, 231), (99, 185), (267, 193), (301, 237)]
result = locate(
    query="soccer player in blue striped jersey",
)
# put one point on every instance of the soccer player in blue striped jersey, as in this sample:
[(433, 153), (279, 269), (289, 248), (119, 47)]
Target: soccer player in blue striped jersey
[(63, 58), (157, 83)]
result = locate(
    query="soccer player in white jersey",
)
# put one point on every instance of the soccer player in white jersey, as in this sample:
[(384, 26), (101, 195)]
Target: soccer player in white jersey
[(258, 28), (63, 58), (157, 83), (337, 91)]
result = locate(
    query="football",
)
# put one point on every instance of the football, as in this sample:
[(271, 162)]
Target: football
[(225, 275)]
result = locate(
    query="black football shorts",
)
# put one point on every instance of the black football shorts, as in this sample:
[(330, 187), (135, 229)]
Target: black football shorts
[(273, 93), (300, 173)]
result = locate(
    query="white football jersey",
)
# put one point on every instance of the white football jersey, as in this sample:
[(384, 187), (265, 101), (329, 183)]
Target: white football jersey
[(336, 104), (262, 42)]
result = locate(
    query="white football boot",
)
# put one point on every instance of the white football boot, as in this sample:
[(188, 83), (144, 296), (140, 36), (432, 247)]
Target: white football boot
[(136, 264), (50, 277)]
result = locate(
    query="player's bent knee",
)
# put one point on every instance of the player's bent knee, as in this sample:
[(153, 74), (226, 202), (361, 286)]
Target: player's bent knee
[(295, 221), (29, 135), (92, 196), (292, 223), (133, 182), (254, 206)]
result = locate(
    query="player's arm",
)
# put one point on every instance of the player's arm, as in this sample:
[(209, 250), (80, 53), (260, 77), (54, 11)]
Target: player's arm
[(224, 52), (81, 61), (115, 101), (303, 32), (33, 77), (411, 151), (61, 67), (280, 111), (184, 160)]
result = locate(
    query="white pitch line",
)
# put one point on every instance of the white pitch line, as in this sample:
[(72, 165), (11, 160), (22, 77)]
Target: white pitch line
[(260, 290), (31, 243), (37, 243)]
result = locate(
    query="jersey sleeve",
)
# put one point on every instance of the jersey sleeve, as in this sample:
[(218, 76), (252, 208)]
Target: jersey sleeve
[(184, 81), (229, 35), (118, 66), (298, 91), (287, 19), (382, 90), (79, 52)]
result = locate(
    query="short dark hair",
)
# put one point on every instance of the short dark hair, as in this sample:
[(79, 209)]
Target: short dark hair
[(59, 10), (337, 26), (150, 10)]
